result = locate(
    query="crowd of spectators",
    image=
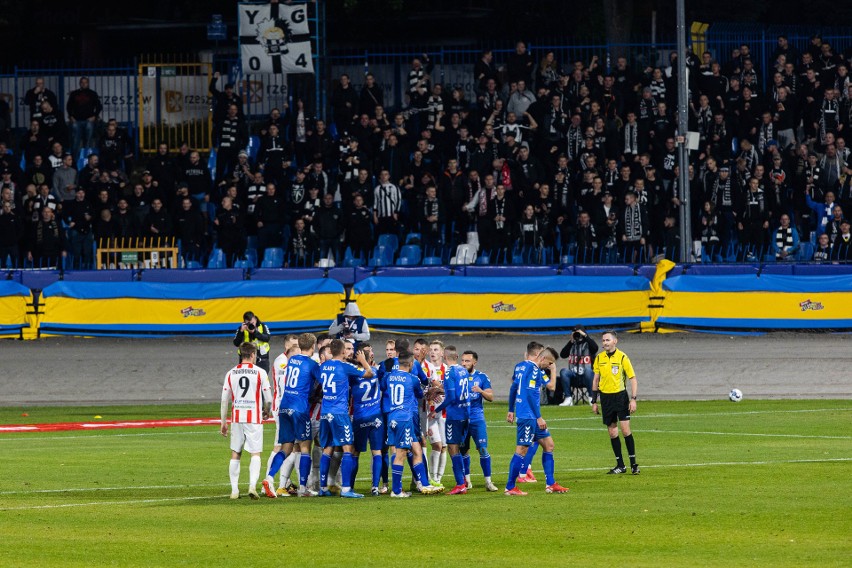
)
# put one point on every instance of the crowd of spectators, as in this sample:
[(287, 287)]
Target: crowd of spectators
[(566, 157)]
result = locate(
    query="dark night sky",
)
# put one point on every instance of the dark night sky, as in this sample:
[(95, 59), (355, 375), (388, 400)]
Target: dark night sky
[(43, 30)]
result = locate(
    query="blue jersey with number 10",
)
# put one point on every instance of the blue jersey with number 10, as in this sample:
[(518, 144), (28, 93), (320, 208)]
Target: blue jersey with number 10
[(402, 391), (336, 377), (299, 377)]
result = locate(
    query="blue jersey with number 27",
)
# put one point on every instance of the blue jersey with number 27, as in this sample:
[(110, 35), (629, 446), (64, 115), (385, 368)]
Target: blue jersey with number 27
[(336, 376), (366, 399)]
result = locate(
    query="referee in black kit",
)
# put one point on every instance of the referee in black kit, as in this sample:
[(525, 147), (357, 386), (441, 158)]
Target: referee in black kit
[(612, 371)]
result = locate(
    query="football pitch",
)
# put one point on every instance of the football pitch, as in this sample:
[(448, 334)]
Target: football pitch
[(751, 484)]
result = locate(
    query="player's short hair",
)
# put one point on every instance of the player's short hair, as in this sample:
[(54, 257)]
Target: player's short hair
[(364, 345), (612, 332), (390, 342), (247, 350), (420, 341), (534, 348), (550, 351), (437, 342), (451, 353), (307, 341), (405, 358), (472, 354), (290, 337), (322, 336), (323, 351), (337, 347), (402, 344), (292, 351)]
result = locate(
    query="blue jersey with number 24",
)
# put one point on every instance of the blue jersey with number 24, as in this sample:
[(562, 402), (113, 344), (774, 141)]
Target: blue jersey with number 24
[(336, 376)]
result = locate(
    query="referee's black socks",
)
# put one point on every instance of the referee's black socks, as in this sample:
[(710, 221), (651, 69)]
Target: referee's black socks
[(616, 449), (631, 449)]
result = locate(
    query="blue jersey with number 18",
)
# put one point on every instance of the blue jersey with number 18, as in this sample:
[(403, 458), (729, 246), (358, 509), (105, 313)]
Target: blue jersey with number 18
[(402, 391), (336, 377), (300, 374)]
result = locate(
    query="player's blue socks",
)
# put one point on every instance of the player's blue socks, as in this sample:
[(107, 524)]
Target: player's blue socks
[(354, 471), (458, 468), (325, 463), (529, 458), (514, 470), (304, 468), (547, 464), (422, 474), (396, 473), (466, 464), (346, 471), (410, 457), (485, 464), (377, 470), (277, 462)]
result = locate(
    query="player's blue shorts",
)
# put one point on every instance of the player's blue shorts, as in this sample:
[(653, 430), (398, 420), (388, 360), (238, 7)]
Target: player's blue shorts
[(370, 429), (293, 426), (476, 430), (335, 430), (529, 432), (415, 422), (401, 434), (456, 431)]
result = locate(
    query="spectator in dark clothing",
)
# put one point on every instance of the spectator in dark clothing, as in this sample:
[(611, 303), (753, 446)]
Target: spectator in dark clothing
[(359, 228), (229, 229), (11, 231), (163, 170), (35, 96), (221, 101), (157, 222), (302, 247), (344, 104), (270, 212), (190, 228), (84, 109), (53, 123), (46, 245), (520, 65), (327, 226), (79, 215), (372, 96)]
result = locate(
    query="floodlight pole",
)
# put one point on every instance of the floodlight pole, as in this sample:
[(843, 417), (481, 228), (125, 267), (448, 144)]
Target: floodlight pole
[(682, 129)]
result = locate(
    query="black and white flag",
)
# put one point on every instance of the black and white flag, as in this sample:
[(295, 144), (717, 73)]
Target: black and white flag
[(275, 38)]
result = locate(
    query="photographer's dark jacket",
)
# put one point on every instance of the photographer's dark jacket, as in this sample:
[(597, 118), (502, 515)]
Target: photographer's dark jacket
[(259, 337), (580, 353)]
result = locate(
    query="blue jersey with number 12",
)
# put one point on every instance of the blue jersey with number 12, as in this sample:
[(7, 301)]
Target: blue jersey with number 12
[(299, 375), (336, 377)]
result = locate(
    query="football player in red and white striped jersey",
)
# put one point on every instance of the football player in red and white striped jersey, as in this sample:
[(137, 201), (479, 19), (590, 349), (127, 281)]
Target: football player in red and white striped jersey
[(247, 390), (436, 370)]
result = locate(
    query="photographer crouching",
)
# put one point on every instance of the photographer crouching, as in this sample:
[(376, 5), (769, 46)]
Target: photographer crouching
[(255, 332), (580, 352)]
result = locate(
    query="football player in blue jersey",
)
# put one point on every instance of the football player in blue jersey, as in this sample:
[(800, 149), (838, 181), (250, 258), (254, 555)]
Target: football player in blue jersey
[(403, 390), (301, 373), (480, 389), (369, 422), (336, 426), (457, 404), (524, 404)]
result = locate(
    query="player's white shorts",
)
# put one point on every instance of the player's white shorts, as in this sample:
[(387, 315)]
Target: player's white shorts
[(435, 430), (249, 436)]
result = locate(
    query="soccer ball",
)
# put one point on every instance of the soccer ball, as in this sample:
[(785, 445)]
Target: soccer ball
[(736, 395)]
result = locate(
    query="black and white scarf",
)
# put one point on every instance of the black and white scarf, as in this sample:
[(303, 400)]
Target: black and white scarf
[(633, 222), (574, 136), (631, 138), (784, 238)]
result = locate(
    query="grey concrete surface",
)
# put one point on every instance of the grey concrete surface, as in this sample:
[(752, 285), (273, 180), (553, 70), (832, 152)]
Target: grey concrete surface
[(681, 366)]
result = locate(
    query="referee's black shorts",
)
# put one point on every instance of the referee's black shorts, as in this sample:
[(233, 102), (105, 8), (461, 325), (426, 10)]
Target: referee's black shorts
[(615, 406)]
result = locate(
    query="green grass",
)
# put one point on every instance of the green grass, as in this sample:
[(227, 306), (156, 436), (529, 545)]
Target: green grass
[(722, 484)]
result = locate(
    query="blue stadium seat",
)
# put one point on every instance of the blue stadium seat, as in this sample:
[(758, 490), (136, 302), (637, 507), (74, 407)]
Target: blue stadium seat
[(275, 256), (483, 259), (253, 147), (379, 261), (389, 240), (806, 252), (384, 253), (211, 164), (269, 264), (217, 259), (517, 258), (251, 242), (412, 253), (353, 262), (251, 257), (432, 261), (241, 264), (413, 239), (405, 261), (193, 265)]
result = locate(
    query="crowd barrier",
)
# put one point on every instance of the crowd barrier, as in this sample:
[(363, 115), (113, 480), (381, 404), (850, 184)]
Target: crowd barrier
[(14, 298), (430, 299), (137, 309)]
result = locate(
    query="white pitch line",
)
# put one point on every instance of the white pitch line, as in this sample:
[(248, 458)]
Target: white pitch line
[(707, 433), (124, 488), (97, 503), (685, 415)]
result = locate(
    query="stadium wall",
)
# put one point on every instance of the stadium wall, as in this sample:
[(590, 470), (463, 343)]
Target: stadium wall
[(455, 299)]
